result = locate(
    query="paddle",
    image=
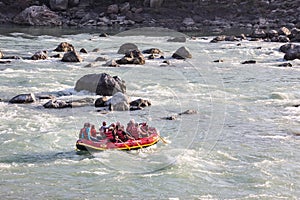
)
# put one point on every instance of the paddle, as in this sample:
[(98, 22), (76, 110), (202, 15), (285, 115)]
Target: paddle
[(133, 138), (162, 139), (128, 147)]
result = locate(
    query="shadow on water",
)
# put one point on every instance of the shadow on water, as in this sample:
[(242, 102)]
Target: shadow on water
[(46, 157)]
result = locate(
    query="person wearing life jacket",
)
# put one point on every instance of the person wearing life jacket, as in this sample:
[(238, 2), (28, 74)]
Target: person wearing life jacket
[(110, 133), (120, 133), (93, 133), (135, 131), (144, 130), (82, 134), (88, 131)]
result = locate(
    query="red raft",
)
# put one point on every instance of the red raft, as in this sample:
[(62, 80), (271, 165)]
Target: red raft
[(131, 144)]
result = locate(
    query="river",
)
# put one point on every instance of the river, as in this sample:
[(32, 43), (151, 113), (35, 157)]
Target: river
[(241, 144)]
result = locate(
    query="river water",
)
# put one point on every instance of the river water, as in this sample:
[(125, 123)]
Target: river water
[(241, 144)]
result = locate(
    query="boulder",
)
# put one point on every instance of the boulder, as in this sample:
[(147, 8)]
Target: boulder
[(101, 84), (101, 59), (113, 9), (188, 112), (111, 63), (71, 56), (153, 51), (101, 102), (272, 33), (132, 57), (58, 5), (73, 3), (140, 103), (83, 50), (156, 3), (119, 102), (284, 31), (188, 21), (127, 47), (53, 103), (125, 7), (292, 54), (295, 35), (286, 47), (258, 33), (23, 98), (38, 16), (40, 55), (177, 39), (64, 47), (219, 38), (285, 65), (182, 53)]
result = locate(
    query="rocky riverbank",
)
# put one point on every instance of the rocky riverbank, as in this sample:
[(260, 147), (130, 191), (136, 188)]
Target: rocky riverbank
[(220, 15)]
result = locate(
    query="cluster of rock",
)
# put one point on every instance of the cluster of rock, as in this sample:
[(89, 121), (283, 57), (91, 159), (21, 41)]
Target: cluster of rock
[(291, 51), (283, 34)]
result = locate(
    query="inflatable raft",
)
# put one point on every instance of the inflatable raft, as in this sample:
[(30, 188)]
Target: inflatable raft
[(131, 144)]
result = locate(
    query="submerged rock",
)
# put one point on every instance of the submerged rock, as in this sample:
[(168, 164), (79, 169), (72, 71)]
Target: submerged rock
[(53, 103), (249, 62), (140, 103), (101, 84), (23, 98), (71, 56), (177, 39)]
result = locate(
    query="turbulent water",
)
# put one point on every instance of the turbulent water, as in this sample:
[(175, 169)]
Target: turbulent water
[(241, 144)]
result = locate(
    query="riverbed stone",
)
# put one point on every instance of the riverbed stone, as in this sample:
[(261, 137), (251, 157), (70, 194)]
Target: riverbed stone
[(127, 47), (133, 57), (38, 16), (23, 98), (64, 47), (40, 55), (71, 56), (101, 84), (182, 53), (119, 102)]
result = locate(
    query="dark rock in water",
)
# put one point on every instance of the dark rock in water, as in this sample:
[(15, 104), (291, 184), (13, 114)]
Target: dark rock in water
[(127, 47), (166, 62), (218, 61), (71, 56), (133, 108), (5, 62), (23, 98), (272, 34), (132, 57), (96, 50), (286, 47), (295, 35), (101, 102), (153, 51), (12, 57), (177, 39), (57, 104), (283, 38), (172, 117), (81, 102), (219, 38), (38, 16), (182, 53), (56, 56), (101, 59), (40, 55), (292, 54), (140, 103), (83, 50), (285, 65), (64, 47), (249, 62), (103, 35), (101, 84), (111, 63), (188, 112)]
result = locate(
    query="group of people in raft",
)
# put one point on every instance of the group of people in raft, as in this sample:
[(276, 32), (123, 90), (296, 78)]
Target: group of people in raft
[(116, 132)]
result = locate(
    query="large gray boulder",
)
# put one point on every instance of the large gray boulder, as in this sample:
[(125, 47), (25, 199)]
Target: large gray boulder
[(71, 56), (40, 55), (101, 84), (64, 47), (127, 47), (119, 102), (59, 5), (182, 53), (38, 16), (133, 57)]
